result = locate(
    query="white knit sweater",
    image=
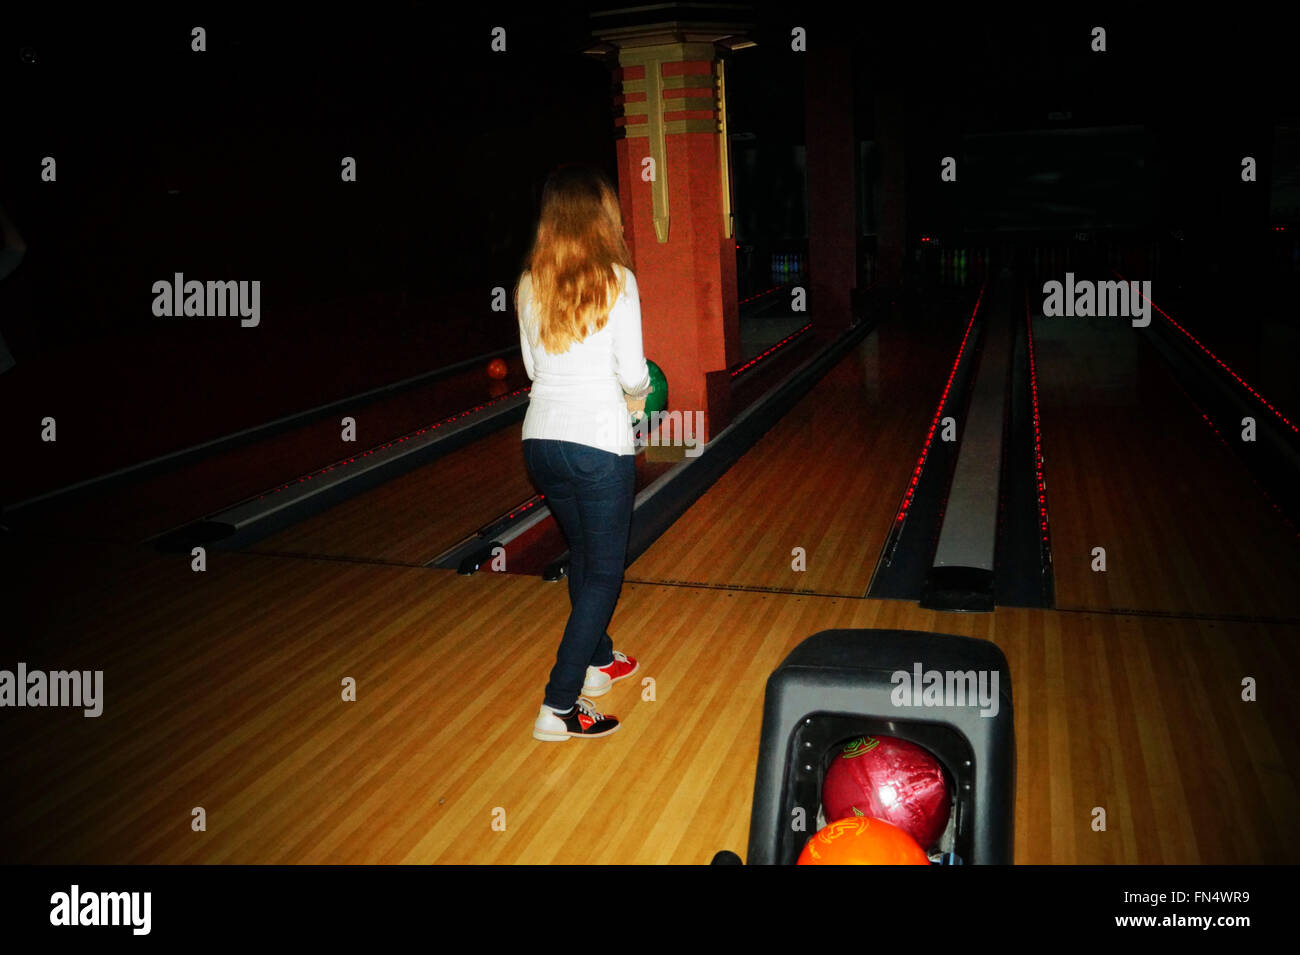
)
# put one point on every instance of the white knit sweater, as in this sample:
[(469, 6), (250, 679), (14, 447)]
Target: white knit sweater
[(578, 395)]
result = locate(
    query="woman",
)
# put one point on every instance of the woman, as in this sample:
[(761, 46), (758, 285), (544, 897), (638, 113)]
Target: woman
[(580, 334)]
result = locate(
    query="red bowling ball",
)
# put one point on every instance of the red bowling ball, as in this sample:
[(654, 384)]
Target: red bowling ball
[(881, 777)]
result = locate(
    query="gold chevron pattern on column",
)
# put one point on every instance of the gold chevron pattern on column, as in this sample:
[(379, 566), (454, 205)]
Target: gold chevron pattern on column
[(669, 89)]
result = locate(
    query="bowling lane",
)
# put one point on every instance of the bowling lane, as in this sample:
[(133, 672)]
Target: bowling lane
[(1133, 468), (419, 515), (828, 477), (1262, 339), (141, 393), (138, 507), (415, 517)]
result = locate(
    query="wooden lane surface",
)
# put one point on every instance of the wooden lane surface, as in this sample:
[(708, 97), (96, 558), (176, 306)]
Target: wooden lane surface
[(416, 516), (222, 690), (1132, 467), (150, 505), (828, 477)]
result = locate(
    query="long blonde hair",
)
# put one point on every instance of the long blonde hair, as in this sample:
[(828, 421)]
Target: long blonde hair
[(572, 264)]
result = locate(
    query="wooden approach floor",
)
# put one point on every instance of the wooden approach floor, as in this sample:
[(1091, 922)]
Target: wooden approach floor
[(223, 691), (223, 688)]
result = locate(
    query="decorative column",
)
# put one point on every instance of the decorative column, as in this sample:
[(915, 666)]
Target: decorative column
[(675, 192)]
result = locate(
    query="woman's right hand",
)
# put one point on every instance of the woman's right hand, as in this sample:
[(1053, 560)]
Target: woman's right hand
[(637, 404)]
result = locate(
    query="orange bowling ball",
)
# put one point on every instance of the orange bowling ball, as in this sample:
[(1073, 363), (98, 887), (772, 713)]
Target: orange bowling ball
[(860, 840), (497, 369)]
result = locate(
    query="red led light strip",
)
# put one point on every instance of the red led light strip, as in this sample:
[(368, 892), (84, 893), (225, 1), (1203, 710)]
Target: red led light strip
[(1039, 481), (1218, 361), (934, 423), (781, 344), (757, 295), (388, 444), (525, 507), (1268, 497)]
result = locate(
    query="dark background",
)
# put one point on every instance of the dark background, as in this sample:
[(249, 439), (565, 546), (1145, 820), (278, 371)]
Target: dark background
[(225, 165)]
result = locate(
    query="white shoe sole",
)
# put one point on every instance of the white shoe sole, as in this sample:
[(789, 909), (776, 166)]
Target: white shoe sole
[(601, 691), (561, 737)]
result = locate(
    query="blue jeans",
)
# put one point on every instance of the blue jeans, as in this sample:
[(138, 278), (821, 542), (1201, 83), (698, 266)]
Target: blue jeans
[(590, 493)]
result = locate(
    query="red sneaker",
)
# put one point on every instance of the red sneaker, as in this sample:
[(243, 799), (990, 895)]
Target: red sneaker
[(600, 679)]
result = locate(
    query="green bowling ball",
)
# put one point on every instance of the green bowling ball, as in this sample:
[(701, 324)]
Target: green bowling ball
[(657, 400)]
